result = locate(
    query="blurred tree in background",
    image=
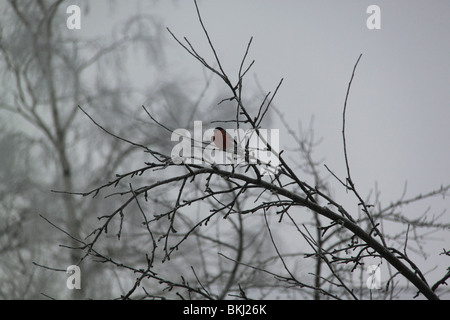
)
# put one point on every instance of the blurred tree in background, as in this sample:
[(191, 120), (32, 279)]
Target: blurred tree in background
[(46, 71)]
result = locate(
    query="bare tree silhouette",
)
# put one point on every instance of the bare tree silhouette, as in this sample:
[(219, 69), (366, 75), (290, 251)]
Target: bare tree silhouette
[(342, 244)]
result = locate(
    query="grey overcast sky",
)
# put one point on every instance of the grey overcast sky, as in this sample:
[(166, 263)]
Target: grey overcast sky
[(398, 113)]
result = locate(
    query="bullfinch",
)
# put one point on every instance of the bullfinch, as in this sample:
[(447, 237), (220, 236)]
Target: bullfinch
[(224, 141)]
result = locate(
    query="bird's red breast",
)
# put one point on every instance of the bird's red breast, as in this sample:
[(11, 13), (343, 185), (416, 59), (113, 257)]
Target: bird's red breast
[(223, 140)]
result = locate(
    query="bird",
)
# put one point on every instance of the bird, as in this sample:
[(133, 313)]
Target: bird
[(224, 141)]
